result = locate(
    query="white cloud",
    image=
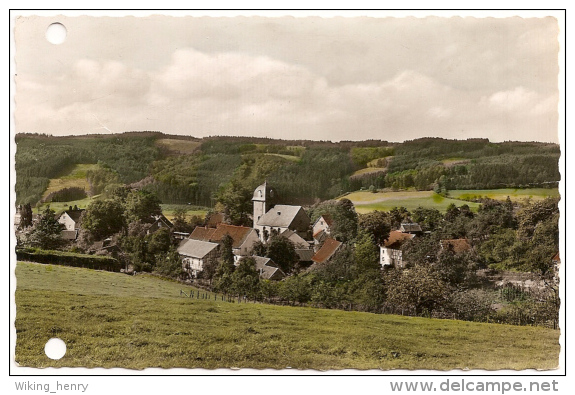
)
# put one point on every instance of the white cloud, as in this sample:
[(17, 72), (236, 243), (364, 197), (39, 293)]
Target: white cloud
[(232, 93)]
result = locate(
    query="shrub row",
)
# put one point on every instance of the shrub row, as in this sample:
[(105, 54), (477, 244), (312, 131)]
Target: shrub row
[(69, 259)]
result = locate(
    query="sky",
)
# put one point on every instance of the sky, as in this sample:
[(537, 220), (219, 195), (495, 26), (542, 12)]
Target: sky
[(336, 78)]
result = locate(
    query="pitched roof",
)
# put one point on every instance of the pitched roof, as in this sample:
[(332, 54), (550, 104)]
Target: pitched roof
[(74, 214), (294, 238), (326, 218), (196, 248), (304, 254), (326, 251), (237, 233), (556, 258), (410, 227), (280, 216), (456, 245), (396, 239), (267, 269), (201, 233)]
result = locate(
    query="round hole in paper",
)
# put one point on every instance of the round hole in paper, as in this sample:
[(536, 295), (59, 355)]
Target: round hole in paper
[(56, 33), (55, 348)]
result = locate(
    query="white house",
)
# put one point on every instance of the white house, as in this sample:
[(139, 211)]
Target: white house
[(197, 254), (390, 252), (70, 221)]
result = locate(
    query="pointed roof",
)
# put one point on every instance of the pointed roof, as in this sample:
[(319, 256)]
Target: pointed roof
[(237, 233), (202, 233), (330, 246), (396, 239), (263, 192), (326, 218), (294, 238), (281, 216), (267, 268), (196, 248), (74, 214)]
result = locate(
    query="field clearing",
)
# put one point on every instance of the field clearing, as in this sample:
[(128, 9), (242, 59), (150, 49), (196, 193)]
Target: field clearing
[(61, 206), (76, 178), (501, 194), (366, 201), (369, 170), (288, 157), (179, 146), (115, 320), (169, 209)]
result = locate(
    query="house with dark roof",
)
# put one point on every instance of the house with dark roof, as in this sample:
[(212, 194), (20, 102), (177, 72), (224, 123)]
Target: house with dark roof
[(268, 269), (327, 251), (242, 236), (160, 221), (196, 254), (410, 227), (71, 221), (390, 253)]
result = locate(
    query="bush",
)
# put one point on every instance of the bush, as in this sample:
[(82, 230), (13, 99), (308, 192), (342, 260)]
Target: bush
[(69, 259)]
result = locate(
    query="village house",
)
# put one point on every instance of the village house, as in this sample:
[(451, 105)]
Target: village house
[(160, 222), (243, 237), (390, 254), (410, 227), (327, 251), (268, 269), (196, 254), (279, 218), (321, 229), (70, 221)]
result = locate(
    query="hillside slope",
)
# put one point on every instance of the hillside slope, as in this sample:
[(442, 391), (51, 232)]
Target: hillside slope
[(114, 320)]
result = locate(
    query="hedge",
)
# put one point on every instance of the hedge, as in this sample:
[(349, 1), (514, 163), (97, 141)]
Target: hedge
[(69, 259)]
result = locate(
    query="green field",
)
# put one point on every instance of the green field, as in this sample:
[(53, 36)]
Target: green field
[(61, 206), (179, 146), (115, 320), (366, 201), (169, 209), (288, 157), (76, 178), (501, 194), (368, 170)]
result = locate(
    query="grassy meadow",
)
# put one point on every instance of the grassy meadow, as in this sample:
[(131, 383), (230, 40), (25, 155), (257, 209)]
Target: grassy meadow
[(501, 194), (76, 178), (178, 146), (115, 320), (169, 210), (366, 201)]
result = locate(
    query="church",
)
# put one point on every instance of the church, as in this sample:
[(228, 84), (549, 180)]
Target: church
[(270, 218)]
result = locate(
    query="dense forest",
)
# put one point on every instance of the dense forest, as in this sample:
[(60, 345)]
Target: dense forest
[(303, 171)]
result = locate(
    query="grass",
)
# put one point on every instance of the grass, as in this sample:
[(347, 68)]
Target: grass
[(288, 157), (368, 170), (169, 209), (179, 146), (115, 320), (76, 178), (366, 201), (501, 194), (61, 206)]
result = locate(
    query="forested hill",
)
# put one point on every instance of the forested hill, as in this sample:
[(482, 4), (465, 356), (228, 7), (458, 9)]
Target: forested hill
[(183, 169)]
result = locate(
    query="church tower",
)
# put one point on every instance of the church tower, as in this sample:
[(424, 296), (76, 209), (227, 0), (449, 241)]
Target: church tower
[(260, 202)]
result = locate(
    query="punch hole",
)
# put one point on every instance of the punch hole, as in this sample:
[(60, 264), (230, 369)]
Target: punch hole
[(55, 348), (56, 33)]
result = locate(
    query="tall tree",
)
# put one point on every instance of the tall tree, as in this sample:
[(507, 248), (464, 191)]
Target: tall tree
[(282, 252), (103, 218), (377, 223), (142, 206), (46, 232)]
